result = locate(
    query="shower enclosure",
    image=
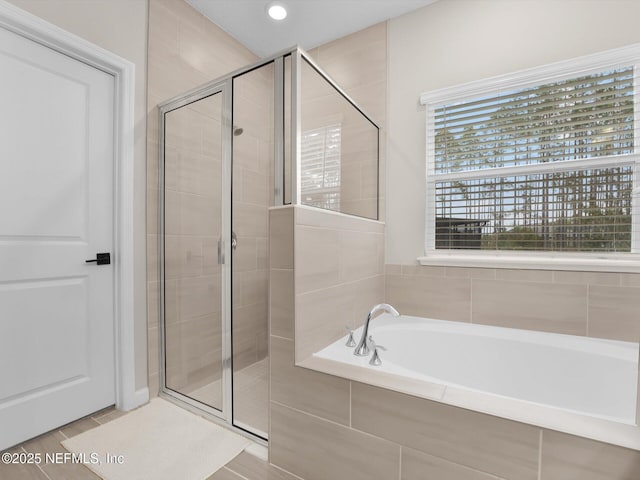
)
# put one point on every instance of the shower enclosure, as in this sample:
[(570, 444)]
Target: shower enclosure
[(274, 133)]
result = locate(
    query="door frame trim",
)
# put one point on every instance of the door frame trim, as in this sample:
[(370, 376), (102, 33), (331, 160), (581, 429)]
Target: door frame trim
[(36, 29)]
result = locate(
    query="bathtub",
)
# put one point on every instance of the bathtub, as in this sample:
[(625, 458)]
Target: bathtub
[(439, 359)]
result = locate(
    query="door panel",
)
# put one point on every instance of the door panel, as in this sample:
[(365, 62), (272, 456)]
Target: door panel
[(55, 131), (193, 335), (56, 205), (63, 361)]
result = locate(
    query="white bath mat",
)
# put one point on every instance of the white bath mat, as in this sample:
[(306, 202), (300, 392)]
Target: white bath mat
[(158, 441)]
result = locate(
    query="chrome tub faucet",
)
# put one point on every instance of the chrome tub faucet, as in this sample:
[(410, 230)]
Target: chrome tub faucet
[(363, 349)]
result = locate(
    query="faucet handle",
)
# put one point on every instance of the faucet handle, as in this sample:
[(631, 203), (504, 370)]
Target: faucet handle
[(375, 358), (350, 341), (373, 345)]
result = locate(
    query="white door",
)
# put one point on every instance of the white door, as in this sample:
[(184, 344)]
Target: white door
[(56, 211)]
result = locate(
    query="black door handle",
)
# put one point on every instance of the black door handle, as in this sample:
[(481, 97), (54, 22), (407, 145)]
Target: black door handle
[(101, 259)]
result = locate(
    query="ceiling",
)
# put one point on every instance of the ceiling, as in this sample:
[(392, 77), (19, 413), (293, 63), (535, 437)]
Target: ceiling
[(309, 23)]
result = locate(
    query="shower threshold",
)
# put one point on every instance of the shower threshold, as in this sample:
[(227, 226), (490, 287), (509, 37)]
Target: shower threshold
[(250, 399)]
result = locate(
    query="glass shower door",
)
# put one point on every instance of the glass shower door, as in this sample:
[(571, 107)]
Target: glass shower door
[(192, 269), (252, 195)]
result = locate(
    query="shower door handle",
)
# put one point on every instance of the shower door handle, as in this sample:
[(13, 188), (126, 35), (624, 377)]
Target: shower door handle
[(220, 251), (234, 240)]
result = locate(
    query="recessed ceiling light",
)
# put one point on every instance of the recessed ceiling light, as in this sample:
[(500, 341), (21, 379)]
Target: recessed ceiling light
[(277, 11)]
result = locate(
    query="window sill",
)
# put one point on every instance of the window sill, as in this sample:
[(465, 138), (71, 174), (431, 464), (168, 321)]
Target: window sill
[(628, 263)]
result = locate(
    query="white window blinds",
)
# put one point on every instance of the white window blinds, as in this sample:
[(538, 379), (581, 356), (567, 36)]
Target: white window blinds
[(320, 163), (549, 167)]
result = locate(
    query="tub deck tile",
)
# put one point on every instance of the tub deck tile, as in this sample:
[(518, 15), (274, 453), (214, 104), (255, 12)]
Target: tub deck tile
[(490, 444)]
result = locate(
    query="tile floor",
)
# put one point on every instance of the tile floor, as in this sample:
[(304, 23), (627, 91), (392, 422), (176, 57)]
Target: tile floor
[(250, 393), (243, 467)]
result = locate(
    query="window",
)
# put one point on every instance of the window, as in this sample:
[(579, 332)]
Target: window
[(543, 160), (320, 163)]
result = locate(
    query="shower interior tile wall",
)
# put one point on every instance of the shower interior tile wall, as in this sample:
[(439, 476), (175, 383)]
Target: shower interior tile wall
[(192, 220), (185, 50), (251, 195)]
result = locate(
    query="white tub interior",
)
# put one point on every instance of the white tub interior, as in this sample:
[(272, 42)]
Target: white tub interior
[(590, 376)]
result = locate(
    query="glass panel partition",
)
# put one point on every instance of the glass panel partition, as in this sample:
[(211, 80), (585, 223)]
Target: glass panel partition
[(286, 106), (252, 195), (338, 149), (192, 227)]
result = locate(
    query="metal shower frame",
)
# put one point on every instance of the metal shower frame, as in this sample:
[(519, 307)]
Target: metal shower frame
[(224, 86)]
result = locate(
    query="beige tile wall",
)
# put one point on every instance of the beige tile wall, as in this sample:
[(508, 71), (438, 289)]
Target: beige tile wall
[(329, 397), (281, 293), (322, 106), (337, 263), (603, 305), (501, 447), (565, 456), (358, 63), (338, 276), (251, 196), (184, 50), (317, 449), (415, 464)]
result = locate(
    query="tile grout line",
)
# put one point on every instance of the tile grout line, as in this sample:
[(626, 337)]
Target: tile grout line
[(400, 465), (333, 422), (279, 269), (371, 435), (282, 338), (97, 419), (463, 466), (224, 467), (350, 401), (37, 465), (286, 471), (108, 410), (340, 284)]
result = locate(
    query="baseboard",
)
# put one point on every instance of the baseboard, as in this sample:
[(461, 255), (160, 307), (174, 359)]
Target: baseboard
[(258, 451), (140, 397)]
